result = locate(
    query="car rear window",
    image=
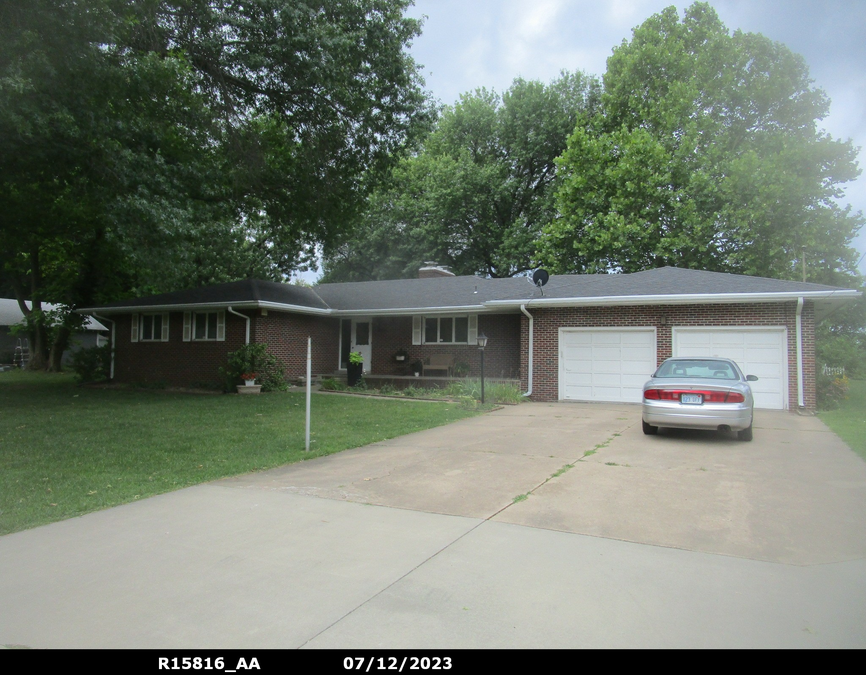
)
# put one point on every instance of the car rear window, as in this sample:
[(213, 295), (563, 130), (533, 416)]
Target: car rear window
[(716, 370)]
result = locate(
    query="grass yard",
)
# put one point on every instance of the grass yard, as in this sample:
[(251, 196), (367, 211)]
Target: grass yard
[(848, 421), (68, 450)]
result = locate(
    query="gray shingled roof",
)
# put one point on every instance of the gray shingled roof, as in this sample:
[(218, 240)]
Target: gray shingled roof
[(469, 292), (247, 292), (669, 281)]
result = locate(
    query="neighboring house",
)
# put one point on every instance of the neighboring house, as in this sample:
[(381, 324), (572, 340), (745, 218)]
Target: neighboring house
[(580, 337), (10, 315)]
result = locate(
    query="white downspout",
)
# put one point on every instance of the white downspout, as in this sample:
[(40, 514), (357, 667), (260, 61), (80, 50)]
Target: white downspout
[(801, 403), (529, 366), (243, 316), (113, 331)]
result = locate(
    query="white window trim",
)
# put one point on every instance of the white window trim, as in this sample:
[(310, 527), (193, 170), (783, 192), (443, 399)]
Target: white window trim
[(190, 326), (138, 327), (419, 328)]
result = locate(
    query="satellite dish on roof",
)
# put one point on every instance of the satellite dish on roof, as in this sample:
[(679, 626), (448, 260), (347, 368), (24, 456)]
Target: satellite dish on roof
[(540, 277)]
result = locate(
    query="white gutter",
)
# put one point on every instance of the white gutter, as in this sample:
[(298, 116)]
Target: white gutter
[(243, 316), (801, 403), (298, 309), (529, 366), (684, 299), (113, 331), (406, 311), (250, 304)]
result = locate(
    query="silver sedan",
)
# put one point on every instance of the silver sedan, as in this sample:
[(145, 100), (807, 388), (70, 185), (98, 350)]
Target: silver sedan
[(699, 393)]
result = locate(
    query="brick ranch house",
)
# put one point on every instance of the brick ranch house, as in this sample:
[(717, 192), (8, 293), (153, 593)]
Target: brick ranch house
[(580, 337)]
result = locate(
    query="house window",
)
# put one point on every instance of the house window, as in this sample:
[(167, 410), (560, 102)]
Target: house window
[(446, 330), (205, 326), (151, 327)]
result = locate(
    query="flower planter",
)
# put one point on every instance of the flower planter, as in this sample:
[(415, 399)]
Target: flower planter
[(249, 389), (354, 371)]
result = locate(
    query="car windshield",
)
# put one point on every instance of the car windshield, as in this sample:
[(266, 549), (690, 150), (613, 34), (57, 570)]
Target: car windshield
[(715, 370)]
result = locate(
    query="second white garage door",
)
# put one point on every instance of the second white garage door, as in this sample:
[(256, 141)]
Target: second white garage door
[(605, 364), (758, 351)]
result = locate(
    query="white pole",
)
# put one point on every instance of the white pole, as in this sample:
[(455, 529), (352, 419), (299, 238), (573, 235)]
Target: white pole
[(309, 371)]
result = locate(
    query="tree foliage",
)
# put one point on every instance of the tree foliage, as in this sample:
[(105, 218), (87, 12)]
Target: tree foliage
[(477, 194), (150, 145), (705, 153)]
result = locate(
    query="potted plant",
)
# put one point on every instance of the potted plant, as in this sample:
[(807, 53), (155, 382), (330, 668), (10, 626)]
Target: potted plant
[(417, 367), (249, 378), (355, 368)]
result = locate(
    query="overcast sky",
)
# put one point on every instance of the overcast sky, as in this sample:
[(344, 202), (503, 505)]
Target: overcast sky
[(467, 44)]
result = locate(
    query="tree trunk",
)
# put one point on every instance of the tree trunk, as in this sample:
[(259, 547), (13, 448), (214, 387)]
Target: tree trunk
[(60, 344)]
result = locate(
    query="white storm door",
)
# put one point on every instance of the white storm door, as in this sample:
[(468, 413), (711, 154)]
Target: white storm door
[(757, 351), (605, 364), (362, 340)]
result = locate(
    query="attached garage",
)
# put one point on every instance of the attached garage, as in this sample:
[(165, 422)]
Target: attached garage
[(605, 364), (758, 351)]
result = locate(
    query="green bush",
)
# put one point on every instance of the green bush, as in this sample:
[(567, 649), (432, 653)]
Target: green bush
[(841, 351), (503, 393), (254, 358), (831, 391), (494, 392), (92, 364), (330, 384)]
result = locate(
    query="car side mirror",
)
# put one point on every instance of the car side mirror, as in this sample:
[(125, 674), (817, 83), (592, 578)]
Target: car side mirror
[(752, 378)]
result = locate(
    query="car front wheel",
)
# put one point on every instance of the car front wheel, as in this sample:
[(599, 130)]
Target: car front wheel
[(649, 429)]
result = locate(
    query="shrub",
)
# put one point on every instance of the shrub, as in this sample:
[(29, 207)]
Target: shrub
[(503, 393), (494, 392), (92, 364), (461, 369), (831, 390), (254, 358), (845, 351), (330, 384)]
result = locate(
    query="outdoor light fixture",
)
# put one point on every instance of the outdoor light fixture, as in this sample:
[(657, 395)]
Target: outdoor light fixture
[(482, 343)]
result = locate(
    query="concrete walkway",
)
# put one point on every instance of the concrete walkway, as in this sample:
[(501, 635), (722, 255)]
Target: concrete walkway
[(615, 540)]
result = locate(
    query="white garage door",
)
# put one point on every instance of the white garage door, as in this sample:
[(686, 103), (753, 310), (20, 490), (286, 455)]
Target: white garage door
[(600, 364), (759, 351)]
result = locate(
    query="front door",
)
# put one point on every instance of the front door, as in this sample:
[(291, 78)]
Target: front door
[(362, 332)]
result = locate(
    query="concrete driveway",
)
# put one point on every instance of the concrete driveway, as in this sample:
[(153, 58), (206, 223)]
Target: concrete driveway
[(796, 494), (540, 525)]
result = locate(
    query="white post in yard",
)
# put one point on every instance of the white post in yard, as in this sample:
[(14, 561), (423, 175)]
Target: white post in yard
[(309, 370)]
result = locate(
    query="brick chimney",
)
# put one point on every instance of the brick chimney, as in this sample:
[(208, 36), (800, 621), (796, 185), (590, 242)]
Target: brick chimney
[(432, 269)]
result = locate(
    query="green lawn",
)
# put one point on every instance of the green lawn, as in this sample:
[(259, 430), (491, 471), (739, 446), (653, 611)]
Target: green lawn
[(848, 421), (68, 450)]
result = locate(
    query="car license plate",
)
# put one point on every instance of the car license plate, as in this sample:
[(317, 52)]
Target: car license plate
[(694, 399)]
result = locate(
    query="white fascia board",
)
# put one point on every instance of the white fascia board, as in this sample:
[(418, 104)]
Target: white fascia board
[(409, 311), (684, 299), (255, 304)]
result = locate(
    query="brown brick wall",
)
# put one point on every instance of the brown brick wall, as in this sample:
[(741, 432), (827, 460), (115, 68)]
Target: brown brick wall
[(286, 336), (547, 323), (184, 364), (501, 356), (175, 363)]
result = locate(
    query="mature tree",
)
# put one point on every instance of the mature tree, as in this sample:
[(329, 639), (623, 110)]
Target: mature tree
[(477, 194), (705, 153), (149, 145)]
